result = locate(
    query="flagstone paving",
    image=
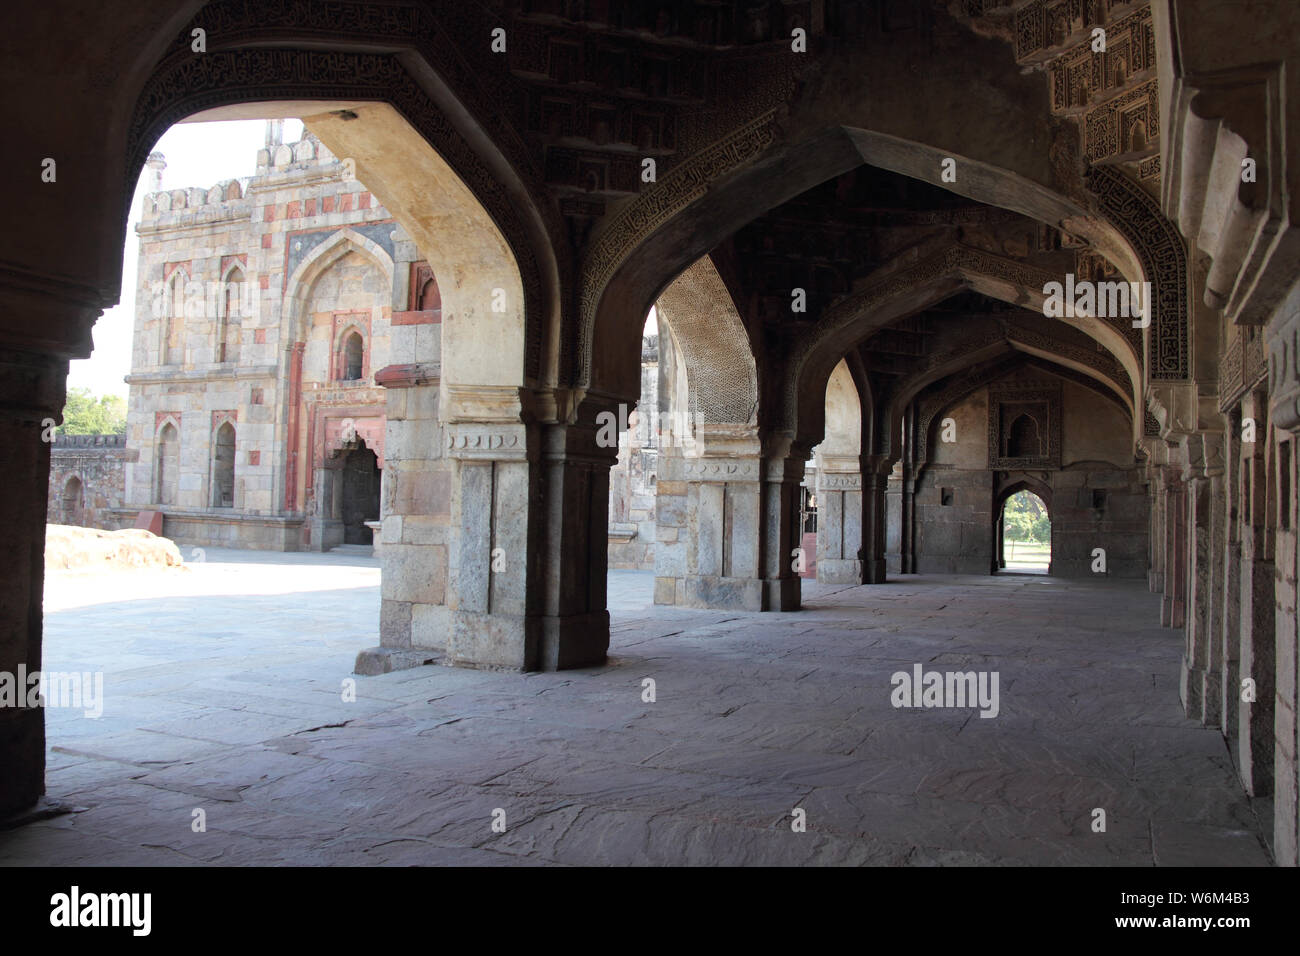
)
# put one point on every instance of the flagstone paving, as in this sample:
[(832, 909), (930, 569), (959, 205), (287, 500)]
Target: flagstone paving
[(224, 688)]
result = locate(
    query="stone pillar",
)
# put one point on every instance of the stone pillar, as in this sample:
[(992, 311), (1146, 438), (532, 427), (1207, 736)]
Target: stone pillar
[(572, 560), (1156, 499), (1202, 666), (910, 477), (1175, 537), (711, 514), (1255, 744), (31, 402), (671, 533), (840, 520), (1228, 576), (783, 468), (1283, 340), (416, 534), (495, 529), (875, 483), (894, 521), (727, 525), (530, 512)]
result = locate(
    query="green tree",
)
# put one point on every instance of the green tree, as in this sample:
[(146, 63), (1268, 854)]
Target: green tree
[(1026, 518), (84, 414)]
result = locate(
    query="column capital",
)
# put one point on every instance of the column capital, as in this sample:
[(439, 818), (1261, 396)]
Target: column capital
[(32, 386), (1204, 455), (44, 313)]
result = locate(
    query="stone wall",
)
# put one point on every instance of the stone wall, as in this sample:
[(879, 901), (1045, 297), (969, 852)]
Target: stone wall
[(1096, 494), (265, 305), (87, 480)]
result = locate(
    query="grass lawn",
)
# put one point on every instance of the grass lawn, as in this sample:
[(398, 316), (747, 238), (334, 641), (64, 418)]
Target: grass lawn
[(1026, 555)]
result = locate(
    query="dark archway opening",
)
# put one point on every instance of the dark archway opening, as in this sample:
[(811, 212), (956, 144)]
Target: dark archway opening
[(73, 499), (223, 467), (353, 350), (361, 484)]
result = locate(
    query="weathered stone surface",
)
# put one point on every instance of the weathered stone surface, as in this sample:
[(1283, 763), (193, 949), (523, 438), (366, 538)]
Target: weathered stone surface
[(754, 716)]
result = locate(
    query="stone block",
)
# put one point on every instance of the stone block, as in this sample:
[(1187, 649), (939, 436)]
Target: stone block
[(415, 573), (394, 623), (430, 625), (665, 590)]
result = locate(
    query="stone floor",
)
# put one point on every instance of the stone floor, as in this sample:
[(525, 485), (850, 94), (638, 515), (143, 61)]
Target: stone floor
[(224, 693)]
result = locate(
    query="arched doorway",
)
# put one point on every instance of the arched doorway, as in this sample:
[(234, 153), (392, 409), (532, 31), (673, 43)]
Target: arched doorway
[(72, 502), (1024, 534), (360, 493)]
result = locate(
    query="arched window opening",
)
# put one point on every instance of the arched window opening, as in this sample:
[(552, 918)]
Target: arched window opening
[(232, 315), (429, 298), (1022, 439), (223, 467), (353, 351), (169, 461), (173, 343)]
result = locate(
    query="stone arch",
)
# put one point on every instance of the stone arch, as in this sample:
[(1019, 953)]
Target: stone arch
[(640, 249), (909, 289), (298, 286), (417, 136), (844, 420), (1012, 484), (1021, 482), (712, 340), (982, 370)]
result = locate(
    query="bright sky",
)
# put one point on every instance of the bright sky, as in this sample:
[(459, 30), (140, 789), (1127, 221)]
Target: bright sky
[(198, 154)]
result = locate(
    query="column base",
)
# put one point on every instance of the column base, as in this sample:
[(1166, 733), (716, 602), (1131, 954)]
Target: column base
[(512, 643), (22, 744), (783, 594), (577, 640), (1191, 683), (874, 572), (385, 660), (1211, 694), (727, 594), (841, 571), (1171, 612)]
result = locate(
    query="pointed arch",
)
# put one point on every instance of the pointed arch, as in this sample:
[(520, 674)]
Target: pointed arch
[(844, 429), (222, 478), (171, 327), (912, 288), (232, 308), (298, 286), (714, 344), (167, 462), (630, 262)]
